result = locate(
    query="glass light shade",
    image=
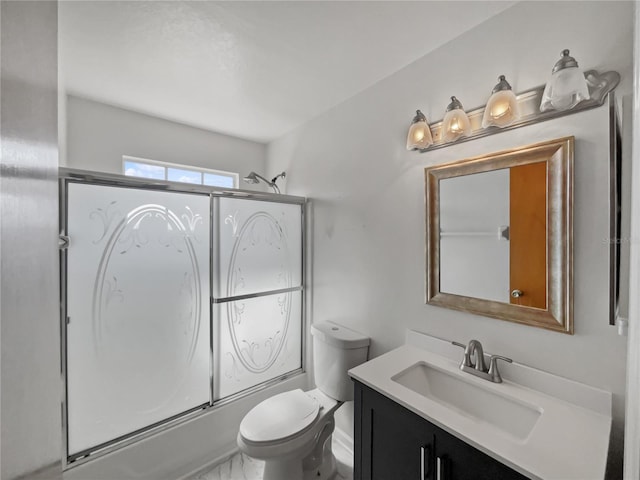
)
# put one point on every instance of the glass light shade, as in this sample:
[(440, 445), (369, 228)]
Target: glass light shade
[(455, 125), (419, 135), (565, 89), (501, 109)]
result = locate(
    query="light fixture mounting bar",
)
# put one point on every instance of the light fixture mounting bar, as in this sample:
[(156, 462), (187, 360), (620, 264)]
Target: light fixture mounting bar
[(529, 105)]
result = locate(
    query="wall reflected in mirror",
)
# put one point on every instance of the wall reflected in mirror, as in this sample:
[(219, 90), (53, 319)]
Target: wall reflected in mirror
[(493, 235)]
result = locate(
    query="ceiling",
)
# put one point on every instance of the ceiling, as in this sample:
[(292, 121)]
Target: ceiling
[(255, 70)]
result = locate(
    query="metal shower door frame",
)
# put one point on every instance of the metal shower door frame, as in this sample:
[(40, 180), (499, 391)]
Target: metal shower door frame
[(68, 176)]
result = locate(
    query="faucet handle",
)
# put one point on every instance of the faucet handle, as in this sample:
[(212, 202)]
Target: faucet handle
[(467, 358), (493, 367)]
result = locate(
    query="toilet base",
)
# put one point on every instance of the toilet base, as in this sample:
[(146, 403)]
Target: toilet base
[(327, 469), (295, 468), (279, 470)]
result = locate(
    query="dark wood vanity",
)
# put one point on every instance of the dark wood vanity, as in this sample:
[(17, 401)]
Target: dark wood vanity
[(393, 443)]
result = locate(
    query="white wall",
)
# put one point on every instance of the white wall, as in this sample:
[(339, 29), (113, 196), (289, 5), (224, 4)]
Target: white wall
[(367, 191), (98, 135), (31, 389), (632, 433)]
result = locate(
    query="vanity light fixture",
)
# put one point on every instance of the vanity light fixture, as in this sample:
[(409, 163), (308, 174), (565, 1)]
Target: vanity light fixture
[(567, 86), (502, 107), (456, 123), (419, 135), (564, 94)]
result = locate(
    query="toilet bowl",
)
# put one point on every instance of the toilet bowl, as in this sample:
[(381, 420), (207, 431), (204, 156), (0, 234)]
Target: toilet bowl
[(292, 431)]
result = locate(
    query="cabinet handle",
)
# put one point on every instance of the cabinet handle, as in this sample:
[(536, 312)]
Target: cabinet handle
[(440, 468), (424, 462)]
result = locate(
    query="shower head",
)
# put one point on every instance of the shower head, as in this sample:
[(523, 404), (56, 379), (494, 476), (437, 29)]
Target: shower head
[(254, 178)]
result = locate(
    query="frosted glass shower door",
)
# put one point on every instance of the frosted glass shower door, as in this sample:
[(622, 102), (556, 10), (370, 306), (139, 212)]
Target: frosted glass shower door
[(257, 289), (138, 335)]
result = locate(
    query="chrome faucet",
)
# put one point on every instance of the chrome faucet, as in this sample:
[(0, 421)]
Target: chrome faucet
[(475, 348), (473, 362)]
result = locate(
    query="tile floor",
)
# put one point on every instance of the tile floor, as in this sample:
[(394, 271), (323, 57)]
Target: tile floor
[(241, 467)]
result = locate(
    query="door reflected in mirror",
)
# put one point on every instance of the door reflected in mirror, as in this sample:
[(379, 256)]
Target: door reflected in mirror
[(500, 235), (528, 240)]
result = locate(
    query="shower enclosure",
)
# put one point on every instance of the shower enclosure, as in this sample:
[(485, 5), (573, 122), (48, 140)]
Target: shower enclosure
[(175, 298)]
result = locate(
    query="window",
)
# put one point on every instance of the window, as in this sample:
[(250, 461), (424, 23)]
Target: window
[(143, 168)]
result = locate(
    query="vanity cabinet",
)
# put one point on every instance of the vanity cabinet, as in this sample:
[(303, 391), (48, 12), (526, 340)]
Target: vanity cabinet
[(393, 443)]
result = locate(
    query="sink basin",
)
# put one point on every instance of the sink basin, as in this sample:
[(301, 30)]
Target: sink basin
[(512, 417)]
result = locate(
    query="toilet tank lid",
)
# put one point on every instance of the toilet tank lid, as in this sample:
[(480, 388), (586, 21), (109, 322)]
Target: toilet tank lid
[(338, 336)]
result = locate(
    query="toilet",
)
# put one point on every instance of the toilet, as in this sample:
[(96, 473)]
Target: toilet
[(292, 431)]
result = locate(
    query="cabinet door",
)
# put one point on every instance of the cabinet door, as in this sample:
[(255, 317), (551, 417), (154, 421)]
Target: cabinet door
[(457, 460), (391, 442)]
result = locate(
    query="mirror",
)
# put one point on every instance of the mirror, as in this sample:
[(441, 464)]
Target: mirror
[(499, 235), (615, 213)]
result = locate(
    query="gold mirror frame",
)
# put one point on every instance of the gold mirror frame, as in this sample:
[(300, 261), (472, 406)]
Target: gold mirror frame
[(558, 315)]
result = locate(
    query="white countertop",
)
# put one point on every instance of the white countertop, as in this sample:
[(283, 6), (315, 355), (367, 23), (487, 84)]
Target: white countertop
[(569, 440)]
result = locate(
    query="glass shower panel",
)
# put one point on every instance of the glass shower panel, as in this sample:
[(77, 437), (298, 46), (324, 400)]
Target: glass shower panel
[(258, 333), (259, 247), (138, 332), (257, 339)]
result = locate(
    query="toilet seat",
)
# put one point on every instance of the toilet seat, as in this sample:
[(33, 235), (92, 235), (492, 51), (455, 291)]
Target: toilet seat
[(280, 418)]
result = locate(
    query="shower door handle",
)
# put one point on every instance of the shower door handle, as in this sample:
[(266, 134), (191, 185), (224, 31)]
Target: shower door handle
[(63, 242)]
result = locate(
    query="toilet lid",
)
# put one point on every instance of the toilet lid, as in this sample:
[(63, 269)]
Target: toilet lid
[(284, 415)]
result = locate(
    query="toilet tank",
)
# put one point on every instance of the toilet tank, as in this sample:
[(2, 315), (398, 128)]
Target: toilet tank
[(336, 349)]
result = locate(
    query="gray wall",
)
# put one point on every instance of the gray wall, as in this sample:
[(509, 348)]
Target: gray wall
[(31, 428), (98, 135), (367, 191)]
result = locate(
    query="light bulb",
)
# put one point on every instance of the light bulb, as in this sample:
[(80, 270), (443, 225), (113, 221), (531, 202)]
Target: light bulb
[(419, 136), (499, 110), (455, 123), (502, 107)]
